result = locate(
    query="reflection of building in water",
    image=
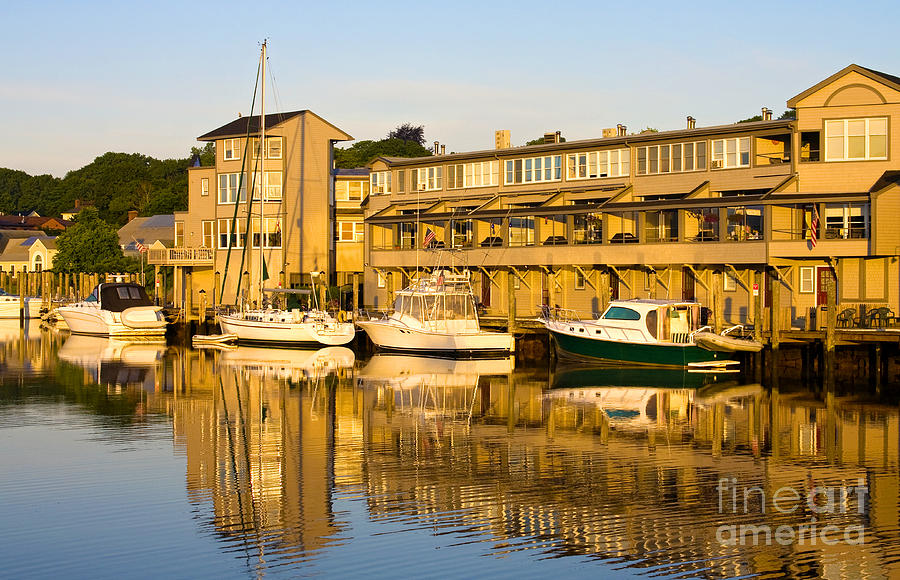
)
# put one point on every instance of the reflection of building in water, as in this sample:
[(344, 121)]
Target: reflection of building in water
[(26, 349), (490, 453), (257, 427)]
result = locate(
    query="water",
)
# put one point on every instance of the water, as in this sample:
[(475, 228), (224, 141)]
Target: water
[(147, 460)]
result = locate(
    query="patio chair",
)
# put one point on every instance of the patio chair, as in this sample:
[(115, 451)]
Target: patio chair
[(847, 318)]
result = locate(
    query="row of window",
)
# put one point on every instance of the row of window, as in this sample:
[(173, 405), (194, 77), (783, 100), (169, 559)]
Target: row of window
[(741, 223), (845, 140), (351, 190), (236, 237), (231, 148), (230, 182)]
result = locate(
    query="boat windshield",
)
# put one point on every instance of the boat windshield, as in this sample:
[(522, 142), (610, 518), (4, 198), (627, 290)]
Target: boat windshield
[(435, 307), (621, 313)]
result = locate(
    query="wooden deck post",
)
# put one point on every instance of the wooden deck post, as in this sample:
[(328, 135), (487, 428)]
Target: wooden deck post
[(21, 298), (831, 318), (188, 296), (718, 302), (354, 294), (760, 278), (510, 300), (775, 325), (217, 287)]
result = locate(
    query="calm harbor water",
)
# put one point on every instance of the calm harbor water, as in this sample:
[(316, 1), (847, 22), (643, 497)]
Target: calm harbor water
[(150, 460)]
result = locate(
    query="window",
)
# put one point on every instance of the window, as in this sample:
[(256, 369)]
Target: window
[(208, 234), (429, 178), (38, 264), (579, 279), (455, 176), (809, 146), (730, 153), (623, 227), (231, 149), (272, 186), (235, 238), (729, 284), (228, 188), (594, 164), (846, 220), (204, 186), (856, 139), (478, 174), (350, 231), (661, 226), (380, 182), (621, 313), (745, 222), (588, 228), (350, 190), (179, 234), (271, 233), (380, 281), (521, 231), (534, 169), (674, 158), (553, 230), (702, 224), (463, 233), (401, 181), (807, 279), (273, 147), (407, 235)]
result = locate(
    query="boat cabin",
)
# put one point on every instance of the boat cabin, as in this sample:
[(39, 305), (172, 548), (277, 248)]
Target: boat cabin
[(442, 302), (118, 297), (662, 320)]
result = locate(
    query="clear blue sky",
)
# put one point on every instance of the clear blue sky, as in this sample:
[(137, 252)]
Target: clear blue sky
[(83, 78)]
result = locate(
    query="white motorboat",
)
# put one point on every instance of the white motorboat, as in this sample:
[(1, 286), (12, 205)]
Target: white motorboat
[(9, 306), (292, 364), (436, 314), (114, 361), (115, 309)]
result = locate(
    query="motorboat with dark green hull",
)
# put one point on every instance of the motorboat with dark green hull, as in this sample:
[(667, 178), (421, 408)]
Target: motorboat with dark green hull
[(637, 331)]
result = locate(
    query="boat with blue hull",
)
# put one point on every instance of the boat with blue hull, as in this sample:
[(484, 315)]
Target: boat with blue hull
[(638, 331)]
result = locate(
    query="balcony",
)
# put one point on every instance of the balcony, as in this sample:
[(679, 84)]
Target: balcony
[(181, 257)]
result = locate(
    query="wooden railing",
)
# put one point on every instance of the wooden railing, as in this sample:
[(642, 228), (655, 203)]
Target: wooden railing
[(176, 256)]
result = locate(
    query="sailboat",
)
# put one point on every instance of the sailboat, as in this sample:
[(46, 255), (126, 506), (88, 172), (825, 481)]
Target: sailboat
[(269, 325)]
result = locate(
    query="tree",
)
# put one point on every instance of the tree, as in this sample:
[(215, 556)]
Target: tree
[(540, 141), (90, 245), (408, 132), (363, 152)]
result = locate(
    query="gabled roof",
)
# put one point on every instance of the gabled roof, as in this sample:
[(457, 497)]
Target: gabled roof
[(147, 230), (880, 77), (242, 125)]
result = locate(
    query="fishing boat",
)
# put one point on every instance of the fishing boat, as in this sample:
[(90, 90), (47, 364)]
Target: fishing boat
[(436, 314), (276, 326), (117, 309), (637, 331), (10, 307)]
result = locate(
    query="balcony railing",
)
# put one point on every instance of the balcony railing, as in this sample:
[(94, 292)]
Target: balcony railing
[(178, 256)]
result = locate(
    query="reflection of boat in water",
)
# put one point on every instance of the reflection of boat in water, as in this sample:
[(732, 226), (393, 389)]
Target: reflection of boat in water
[(406, 372), (284, 363), (572, 376), (639, 331), (11, 331), (114, 361)]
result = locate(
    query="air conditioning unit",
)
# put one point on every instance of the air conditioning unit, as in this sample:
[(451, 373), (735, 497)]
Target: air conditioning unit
[(717, 164), (421, 187)]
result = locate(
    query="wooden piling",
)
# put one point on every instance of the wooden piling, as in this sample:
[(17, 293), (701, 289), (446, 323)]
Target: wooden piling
[(718, 302), (831, 318), (201, 313), (188, 296), (354, 293), (19, 285), (510, 300), (775, 324), (217, 288), (760, 279)]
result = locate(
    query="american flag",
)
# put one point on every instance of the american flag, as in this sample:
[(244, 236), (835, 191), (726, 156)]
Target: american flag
[(140, 247), (814, 227), (429, 237)]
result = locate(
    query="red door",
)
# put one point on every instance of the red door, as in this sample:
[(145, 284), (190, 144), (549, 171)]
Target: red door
[(825, 281), (687, 284)]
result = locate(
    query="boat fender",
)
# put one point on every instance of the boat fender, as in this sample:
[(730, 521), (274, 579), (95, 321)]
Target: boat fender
[(341, 316)]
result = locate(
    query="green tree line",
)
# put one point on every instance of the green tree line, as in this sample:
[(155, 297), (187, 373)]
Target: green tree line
[(114, 182)]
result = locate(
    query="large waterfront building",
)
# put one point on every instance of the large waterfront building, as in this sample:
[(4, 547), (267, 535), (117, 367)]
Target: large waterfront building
[(776, 206), (297, 221)]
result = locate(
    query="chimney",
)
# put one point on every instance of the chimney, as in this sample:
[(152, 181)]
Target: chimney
[(77, 204), (443, 149), (691, 122), (501, 139), (621, 130), (132, 214), (766, 114), (437, 147)]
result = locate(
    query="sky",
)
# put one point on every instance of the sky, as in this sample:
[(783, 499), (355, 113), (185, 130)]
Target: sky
[(82, 78)]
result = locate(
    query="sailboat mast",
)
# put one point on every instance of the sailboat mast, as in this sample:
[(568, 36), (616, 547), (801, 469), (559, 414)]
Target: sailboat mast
[(262, 175)]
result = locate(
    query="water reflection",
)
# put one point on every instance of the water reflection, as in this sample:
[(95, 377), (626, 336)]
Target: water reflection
[(614, 467)]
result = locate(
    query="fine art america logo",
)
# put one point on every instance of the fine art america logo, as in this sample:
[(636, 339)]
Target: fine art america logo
[(818, 502)]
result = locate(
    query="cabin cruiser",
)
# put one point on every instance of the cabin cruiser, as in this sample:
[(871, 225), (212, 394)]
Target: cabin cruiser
[(638, 331), (436, 314), (9, 306), (115, 309)]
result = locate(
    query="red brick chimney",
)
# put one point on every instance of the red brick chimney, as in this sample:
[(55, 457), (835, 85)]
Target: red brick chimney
[(132, 214)]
